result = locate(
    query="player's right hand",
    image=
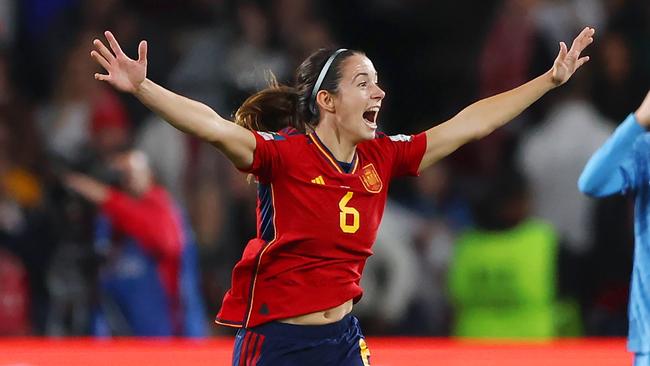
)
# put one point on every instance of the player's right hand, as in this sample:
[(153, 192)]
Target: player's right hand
[(124, 73)]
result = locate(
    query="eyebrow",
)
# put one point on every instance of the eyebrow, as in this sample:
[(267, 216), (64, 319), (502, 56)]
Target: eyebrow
[(364, 74)]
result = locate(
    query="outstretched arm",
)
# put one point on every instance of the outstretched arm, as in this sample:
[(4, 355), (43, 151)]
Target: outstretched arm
[(130, 76), (481, 118), (146, 222), (604, 173)]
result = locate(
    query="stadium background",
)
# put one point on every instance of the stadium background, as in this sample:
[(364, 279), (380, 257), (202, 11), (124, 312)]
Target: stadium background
[(433, 58)]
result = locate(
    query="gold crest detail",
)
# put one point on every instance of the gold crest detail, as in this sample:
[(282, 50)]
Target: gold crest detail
[(370, 179)]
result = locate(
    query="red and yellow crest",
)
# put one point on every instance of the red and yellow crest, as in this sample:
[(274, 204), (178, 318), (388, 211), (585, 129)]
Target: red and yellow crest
[(370, 179)]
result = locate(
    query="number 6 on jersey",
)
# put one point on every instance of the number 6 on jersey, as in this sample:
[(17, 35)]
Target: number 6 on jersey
[(343, 215)]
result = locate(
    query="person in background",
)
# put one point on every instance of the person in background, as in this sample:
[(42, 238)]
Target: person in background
[(620, 166), (554, 198), (149, 283), (502, 278)]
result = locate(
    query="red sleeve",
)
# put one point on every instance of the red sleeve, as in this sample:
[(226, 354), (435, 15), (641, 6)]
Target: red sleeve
[(149, 220), (407, 152), (266, 158)]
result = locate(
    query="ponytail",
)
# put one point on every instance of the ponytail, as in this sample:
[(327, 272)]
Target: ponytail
[(271, 110), (280, 106)]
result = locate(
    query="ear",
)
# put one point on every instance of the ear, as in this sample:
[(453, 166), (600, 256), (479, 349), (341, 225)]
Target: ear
[(325, 100)]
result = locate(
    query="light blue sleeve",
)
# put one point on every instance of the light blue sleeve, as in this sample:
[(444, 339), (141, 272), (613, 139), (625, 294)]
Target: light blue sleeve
[(612, 168)]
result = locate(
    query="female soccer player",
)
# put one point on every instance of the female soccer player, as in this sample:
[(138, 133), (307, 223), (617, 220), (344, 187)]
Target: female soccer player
[(322, 189), (621, 166)]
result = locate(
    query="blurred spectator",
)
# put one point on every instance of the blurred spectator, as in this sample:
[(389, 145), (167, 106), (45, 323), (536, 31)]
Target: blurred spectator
[(390, 275), (26, 227), (551, 159), (514, 51), (50, 29), (18, 159), (429, 313), (222, 205), (18, 191), (314, 35), (561, 19), (511, 53), (201, 71), (254, 54), (168, 152), (503, 273), (81, 110), (195, 174), (8, 22), (70, 278), (617, 83), (435, 198), (149, 283), (14, 296), (292, 17), (109, 125), (14, 288), (299, 30)]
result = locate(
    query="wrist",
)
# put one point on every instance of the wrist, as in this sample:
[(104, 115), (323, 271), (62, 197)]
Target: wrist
[(142, 88), (550, 81)]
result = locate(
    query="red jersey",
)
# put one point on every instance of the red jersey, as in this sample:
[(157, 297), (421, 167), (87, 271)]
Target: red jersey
[(315, 224)]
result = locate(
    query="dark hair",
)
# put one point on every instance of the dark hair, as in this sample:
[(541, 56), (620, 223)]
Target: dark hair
[(280, 106)]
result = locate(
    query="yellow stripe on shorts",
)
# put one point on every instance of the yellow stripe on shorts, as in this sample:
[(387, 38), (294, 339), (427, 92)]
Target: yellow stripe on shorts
[(365, 352)]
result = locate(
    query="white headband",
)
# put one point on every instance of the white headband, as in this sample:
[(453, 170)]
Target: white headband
[(321, 77)]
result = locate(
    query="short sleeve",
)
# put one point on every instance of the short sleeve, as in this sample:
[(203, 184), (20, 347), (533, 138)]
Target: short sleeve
[(266, 157), (407, 152)]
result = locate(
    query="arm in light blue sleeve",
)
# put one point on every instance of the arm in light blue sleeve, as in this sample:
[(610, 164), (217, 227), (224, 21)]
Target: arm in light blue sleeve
[(604, 174)]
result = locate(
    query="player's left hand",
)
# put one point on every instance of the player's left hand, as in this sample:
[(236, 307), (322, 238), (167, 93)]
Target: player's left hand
[(567, 62)]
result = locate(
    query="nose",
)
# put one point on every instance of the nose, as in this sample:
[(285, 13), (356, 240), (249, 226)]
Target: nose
[(378, 93)]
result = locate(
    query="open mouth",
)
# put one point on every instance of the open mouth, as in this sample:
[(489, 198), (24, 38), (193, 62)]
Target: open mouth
[(370, 117)]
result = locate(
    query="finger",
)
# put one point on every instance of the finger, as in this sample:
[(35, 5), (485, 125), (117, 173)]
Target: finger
[(142, 52), (103, 50), (583, 39), (581, 36), (101, 77), (100, 60), (563, 51), (572, 58), (581, 61), (113, 43), (583, 43)]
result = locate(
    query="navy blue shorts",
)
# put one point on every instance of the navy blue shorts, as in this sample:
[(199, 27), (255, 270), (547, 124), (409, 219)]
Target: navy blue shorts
[(279, 344)]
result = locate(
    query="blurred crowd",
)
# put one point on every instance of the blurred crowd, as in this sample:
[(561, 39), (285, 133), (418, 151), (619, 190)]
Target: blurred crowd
[(495, 240)]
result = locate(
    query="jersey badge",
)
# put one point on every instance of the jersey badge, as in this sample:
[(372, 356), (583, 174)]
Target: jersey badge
[(370, 179)]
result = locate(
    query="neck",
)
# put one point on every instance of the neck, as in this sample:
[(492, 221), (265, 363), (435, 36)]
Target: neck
[(331, 137)]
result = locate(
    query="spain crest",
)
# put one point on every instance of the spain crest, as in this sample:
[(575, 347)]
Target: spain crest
[(370, 179)]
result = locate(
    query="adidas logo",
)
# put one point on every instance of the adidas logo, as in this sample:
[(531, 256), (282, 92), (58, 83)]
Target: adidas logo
[(318, 180)]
